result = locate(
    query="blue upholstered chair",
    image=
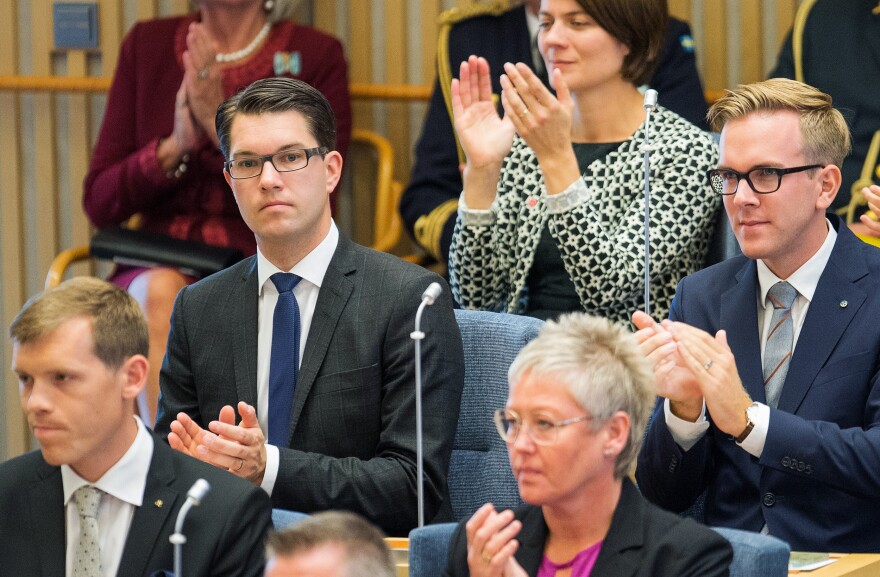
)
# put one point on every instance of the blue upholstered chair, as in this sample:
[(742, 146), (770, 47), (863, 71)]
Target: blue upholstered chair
[(479, 471), (754, 555), (281, 518)]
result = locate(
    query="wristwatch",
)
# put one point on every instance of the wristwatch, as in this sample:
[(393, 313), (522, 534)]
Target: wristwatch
[(750, 424)]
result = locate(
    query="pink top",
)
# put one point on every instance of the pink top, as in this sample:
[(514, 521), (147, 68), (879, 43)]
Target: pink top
[(581, 565)]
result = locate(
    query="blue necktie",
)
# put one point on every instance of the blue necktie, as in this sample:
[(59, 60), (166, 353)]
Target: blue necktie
[(284, 361)]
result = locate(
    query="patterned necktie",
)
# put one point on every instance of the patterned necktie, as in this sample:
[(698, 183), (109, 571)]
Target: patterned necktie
[(87, 560), (777, 351), (284, 360)]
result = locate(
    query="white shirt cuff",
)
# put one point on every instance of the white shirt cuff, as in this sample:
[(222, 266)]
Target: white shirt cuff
[(685, 433), (475, 216), (754, 443), (576, 193), (273, 458)]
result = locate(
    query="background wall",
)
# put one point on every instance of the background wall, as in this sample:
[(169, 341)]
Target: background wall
[(46, 137)]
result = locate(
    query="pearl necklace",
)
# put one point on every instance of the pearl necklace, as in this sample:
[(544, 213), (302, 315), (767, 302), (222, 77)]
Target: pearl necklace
[(246, 51)]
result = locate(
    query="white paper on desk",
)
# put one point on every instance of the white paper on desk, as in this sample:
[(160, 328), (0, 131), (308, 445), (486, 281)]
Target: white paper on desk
[(802, 561)]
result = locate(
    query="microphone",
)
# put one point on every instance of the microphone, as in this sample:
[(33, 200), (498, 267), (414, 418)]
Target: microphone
[(428, 297), (650, 99), (650, 104), (193, 499), (432, 292)]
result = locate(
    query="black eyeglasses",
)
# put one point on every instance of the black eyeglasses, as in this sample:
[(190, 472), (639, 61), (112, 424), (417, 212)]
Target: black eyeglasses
[(284, 161), (762, 180)]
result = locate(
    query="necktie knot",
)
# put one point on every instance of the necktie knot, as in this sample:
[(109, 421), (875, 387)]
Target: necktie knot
[(782, 295), (87, 499), (285, 281)]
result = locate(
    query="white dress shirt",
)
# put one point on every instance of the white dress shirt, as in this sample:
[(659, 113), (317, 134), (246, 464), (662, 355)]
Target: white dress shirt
[(311, 269), (123, 486), (804, 280)]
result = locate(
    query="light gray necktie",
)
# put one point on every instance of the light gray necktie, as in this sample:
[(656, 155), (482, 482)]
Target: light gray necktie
[(87, 561), (777, 351)]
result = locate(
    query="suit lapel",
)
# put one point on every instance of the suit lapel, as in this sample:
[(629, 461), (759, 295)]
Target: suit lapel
[(532, 539), (149, 519), (46, 500), (332, 298), (827, 318), (739, 316), (244, 311), (622, 548)]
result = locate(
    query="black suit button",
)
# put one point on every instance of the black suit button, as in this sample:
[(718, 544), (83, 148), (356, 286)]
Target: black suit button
[(769, 499), (786, 462), (800, 466), (808, 470)]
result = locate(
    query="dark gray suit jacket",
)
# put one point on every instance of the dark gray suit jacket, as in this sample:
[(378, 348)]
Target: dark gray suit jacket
[(352, 435), (224, 534), (643, 541)]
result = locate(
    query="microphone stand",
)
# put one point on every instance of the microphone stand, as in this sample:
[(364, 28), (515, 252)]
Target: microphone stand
[(428, 297), (650, 104), (193, 498)]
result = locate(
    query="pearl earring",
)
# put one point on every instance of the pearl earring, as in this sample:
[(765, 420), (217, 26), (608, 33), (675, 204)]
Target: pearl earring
[(268, 5), (608, 452)]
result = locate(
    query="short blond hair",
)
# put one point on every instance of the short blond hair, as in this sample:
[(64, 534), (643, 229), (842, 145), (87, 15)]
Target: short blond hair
[(824, 132), (599, 362), (119, 330)]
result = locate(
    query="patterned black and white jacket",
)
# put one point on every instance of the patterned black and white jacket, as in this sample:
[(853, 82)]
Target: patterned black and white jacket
[(598, 223)]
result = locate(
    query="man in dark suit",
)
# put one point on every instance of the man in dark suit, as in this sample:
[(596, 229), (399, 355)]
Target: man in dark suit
[(769, 361), (501, 33), (79, 351), (336, 431)]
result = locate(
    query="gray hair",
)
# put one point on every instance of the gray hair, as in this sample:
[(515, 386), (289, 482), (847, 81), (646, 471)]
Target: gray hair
[(600, 364)]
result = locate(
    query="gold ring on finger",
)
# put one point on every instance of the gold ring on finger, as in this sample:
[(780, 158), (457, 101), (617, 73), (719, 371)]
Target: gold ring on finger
[(486, 557), (240, 465), (524, 113), (708, 365)]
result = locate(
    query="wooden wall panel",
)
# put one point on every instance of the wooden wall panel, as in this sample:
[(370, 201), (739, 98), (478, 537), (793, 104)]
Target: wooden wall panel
[(750, 41), (13, 431)]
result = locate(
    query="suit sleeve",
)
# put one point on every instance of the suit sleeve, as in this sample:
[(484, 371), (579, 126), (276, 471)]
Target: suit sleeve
[(240, 548), (456, 562), (383, 487), (429, 201), (692, 550), (178, 390), (667, 475), (676, 79)]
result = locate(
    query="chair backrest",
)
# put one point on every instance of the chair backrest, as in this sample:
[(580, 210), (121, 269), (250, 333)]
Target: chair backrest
[(479, 470), (281, 518), (756, 555), (722, 244), (429, 549)]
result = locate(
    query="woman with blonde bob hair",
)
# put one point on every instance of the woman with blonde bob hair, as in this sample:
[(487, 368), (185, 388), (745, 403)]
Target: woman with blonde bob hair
[(580, 397)]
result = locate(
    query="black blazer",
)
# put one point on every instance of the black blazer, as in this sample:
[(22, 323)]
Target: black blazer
[(816, 483), (224, 534), (643, 541), (352, 435)]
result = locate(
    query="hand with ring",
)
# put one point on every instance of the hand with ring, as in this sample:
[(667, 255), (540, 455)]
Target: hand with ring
[(491, 538)]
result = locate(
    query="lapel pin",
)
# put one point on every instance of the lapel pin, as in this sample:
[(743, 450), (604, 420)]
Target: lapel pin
[(843, 304), (158, 503), (532, 202)]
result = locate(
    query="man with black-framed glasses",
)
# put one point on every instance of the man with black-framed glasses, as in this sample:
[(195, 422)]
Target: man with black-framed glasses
[(769, 361), (294, 368)]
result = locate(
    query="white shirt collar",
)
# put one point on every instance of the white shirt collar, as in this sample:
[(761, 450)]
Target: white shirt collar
[(311, 267), (127, 479), (806, 278)]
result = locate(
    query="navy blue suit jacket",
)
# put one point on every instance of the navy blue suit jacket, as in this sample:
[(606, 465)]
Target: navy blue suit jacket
[(817, 483)]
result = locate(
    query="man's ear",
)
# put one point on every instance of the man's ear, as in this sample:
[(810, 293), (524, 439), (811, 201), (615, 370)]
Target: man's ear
[(333, 166), (830, 179), (133, 374)]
